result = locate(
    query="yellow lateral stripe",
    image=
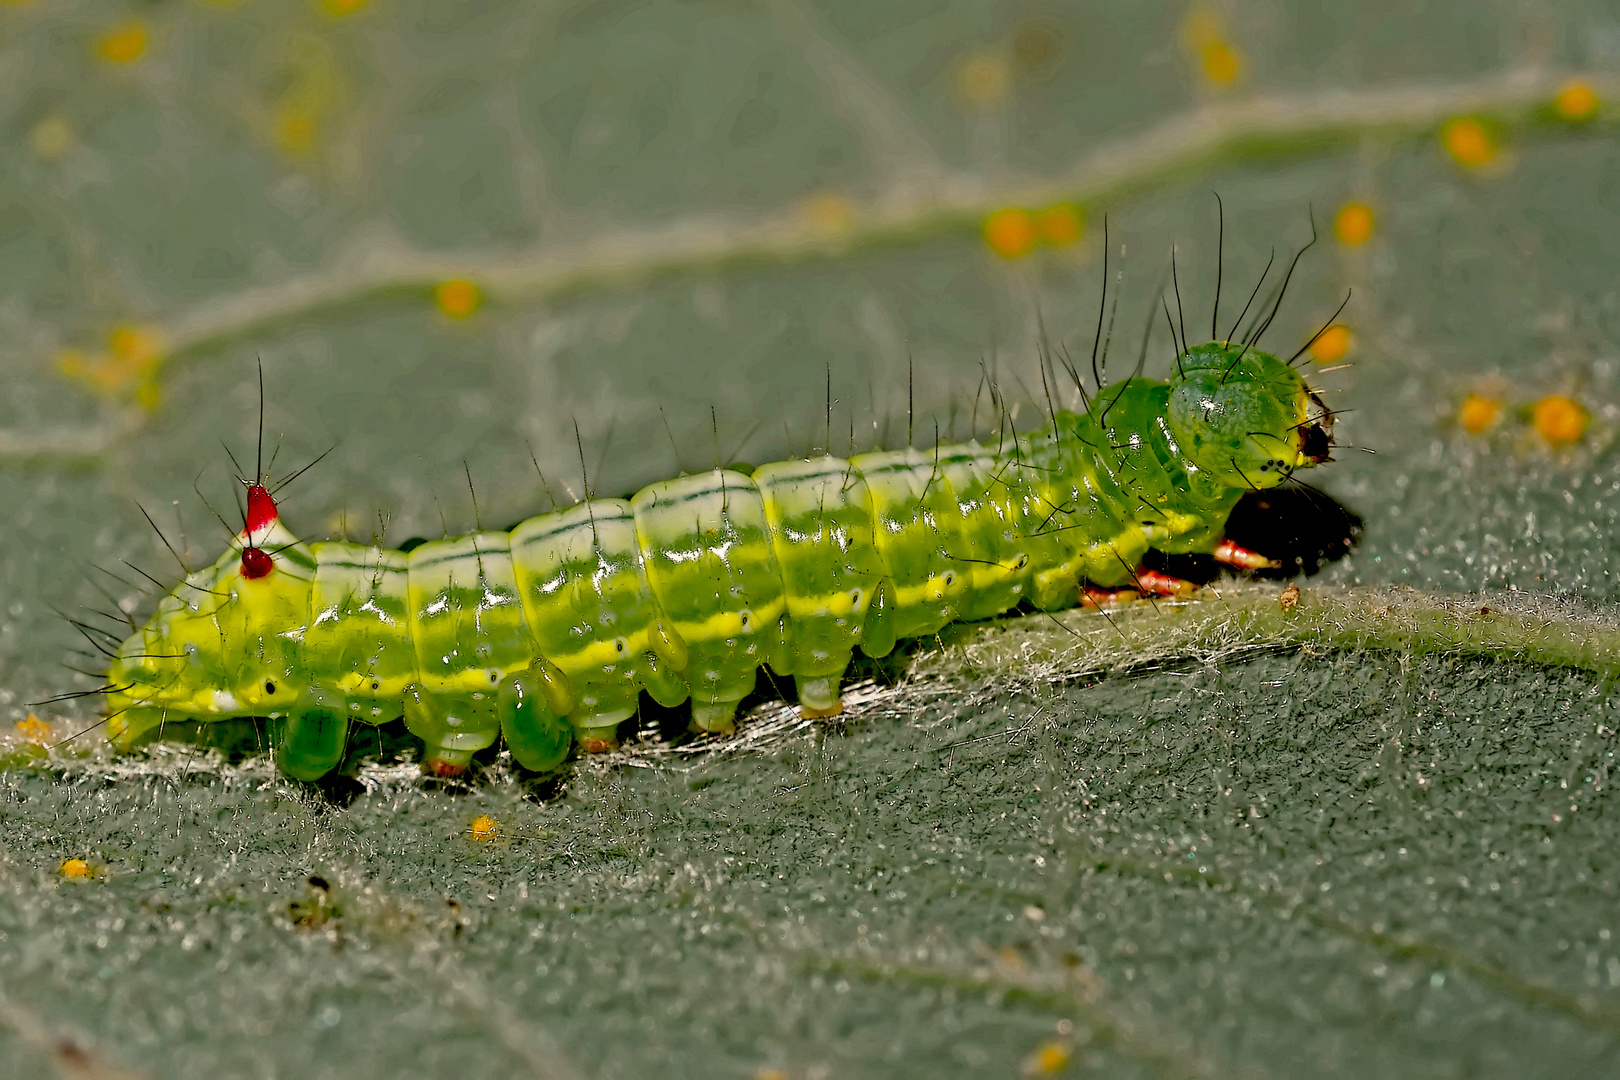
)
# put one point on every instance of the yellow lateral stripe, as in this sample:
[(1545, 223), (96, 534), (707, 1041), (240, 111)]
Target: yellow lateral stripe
[(358, 684), (728, 624), (833, 603), (601, 653)]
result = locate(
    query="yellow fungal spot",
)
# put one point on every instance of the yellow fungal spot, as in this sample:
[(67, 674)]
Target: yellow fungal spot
[(1331, 344), (457, 299), (1048, 1058), (1204, 37), (1010, 232), (338, 9), (1060, 225), (829, 212), (770, 1074), (1353, 224), (295, 129), (127, 369), (76, 869), (483, 828), (1560, 420), (51, 138), (1221, 64), (123, 44), (1576, 102), (1468, 143), (982, 78), (34, 729), (1478, 414)]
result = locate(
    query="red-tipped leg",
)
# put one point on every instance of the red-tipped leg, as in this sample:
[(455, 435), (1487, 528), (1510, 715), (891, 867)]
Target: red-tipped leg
[(1093, 597), (1147, 583), (1242, 558), (1154, 583)]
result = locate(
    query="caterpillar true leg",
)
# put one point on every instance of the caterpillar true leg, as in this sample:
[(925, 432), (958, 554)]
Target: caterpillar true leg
[(1242, 558)]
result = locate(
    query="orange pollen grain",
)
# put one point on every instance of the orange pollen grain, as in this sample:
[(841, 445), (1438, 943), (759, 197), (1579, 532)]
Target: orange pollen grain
[(1353, 224), (1576, 101), (295, 131), (1048, 1058), (1560, 420), (982, 79), (1468, 143), (1478, 414), (457, 299), (1060, 225), (77, 869), (1331, 344), (34, 729), (123, 44), (830, 212), (483, 827), (1221, 63), (1010, 233)]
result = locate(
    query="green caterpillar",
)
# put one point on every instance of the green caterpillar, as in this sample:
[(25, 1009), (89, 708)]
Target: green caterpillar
[(546, 635)]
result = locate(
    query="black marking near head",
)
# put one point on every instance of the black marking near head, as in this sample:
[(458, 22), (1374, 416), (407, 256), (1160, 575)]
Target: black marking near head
[(1316, 437)]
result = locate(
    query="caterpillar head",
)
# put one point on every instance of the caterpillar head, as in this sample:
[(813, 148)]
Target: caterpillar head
[(1245, 417), (224, 642)]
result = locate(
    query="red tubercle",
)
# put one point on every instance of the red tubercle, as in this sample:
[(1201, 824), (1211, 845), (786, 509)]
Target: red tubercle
[(261, 509), (257, 562)]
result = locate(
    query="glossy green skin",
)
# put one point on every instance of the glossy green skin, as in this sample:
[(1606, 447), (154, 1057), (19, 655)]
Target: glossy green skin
[(547, 635)]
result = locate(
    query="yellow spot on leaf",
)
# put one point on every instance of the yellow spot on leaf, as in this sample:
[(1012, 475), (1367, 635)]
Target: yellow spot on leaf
[(1048, 1058), (1010, 232), (1060, 225), (1331, 344), (483, 828), (135, 344), (1468, 143), (1353, 224), (1560, 420), (338, 9), (770, 1074), (295, 130), (310, 89), (829, 212), (1577, 101), (34, 729), (76, 869), (982, 79), (1221, 64), (457, 299), (1478, 414), (127, 369), (1204, 37), (51, 138), (123, 44)]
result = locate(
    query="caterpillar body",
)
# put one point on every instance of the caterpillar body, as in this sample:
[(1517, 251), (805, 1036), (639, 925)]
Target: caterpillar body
[(545, 636)]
